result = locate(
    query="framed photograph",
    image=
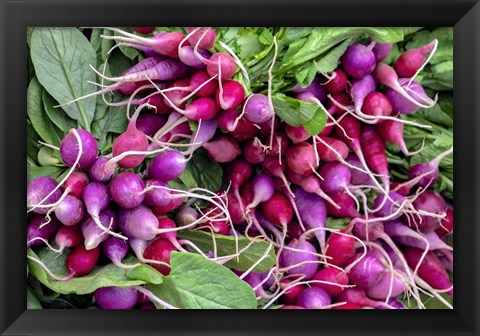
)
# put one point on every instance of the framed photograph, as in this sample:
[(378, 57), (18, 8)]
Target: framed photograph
[(243, 167)]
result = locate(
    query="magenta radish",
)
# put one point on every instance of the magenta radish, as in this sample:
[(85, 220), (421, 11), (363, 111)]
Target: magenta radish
[(235, 209), (409, 237), (38, 189), (165, 209), (340, 248), (160, 250), (221, 64), (403, 101), (116, 297), (358, 297), (301, 158), (336, 177), (96, 197), (131, 140), (199, 78), (127, 190), (424, 168), (257, 109), (138, 222), (290, 296), (313, 213), (392, 131), (230, 95), (409, 62), (358, 60), (156, 196), (315, 89), (263, 188), (387, 208), (333, 276), (301, 262), (358, 177), (38, 232), (238, 172), (433, 203), (167, 166), (150, 122), (175, 95), (116, 250), (70, 210), (267, 127), (280, 144), (240, 128), (93, 234), (75, 183), (187, 55), (431, 269), (223, 148), (253, 152), (342, 98), (102, 170), (381, 51), (373, 148), (337, 82), (314, 298), (381, 290), (345, 205), (69, 149), (367, 270)]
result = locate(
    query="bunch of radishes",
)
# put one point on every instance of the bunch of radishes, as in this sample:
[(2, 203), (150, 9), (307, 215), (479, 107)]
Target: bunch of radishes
[(283, 182)]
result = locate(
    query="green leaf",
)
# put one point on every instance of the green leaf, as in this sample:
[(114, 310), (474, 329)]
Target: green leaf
[(293, 111), (305, 74), (32, 143), (143, 272), (104, 276), (32, 301), (202, 172), (226, 246), (61, 57), (337, 223), (131, 53), (57, 115), (106, 44), (317, 123), (114, 121), (198, 283), (34, 171), (40, 121), (329, 62)]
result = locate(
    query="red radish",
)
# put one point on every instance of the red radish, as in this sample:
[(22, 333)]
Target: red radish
[(253, 152), (347, 305), (235, 209), (160, 250), (409, 62), (392, 131), (345, 205), (343, 98), (329, 155), (301, 158), (198, 79), (340, 248), (280, 144), (431, 269), (358, 298), (230, 95), (377, 104), (69, 149), (266, 127), (223, 148), (297, 134), (81, 261), (332, 275), (278, 210), (131, 140), (75, 183), (144, 30), (165, 209), (240, 128), (433, 203), (291, 295), (338, 81), (203, 36)]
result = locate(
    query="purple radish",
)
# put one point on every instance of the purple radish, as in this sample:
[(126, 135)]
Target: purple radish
[(433, 203), (167, 166), (358, 60), (304, 261), (314, 298), (424, 168), (155, 197), (381, 51), (70, 210), (69, 149), (94, 235), (127, 190), (102, 170), (257, 109), (116, 297), (116, 250), (367, 271), (38, 189), (139, 222), (37, 236)]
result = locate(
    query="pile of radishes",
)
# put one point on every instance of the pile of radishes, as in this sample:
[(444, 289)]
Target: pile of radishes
[(283, 183)]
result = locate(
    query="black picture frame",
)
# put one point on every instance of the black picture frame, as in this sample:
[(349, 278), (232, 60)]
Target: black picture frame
[(16, 15)]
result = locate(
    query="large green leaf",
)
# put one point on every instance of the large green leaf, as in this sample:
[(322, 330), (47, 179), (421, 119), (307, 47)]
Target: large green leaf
[(198, 283), (329, 62), (57, 115), (61, 57), (36, 113), (226, 245), (293, 111), (104, 276)]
